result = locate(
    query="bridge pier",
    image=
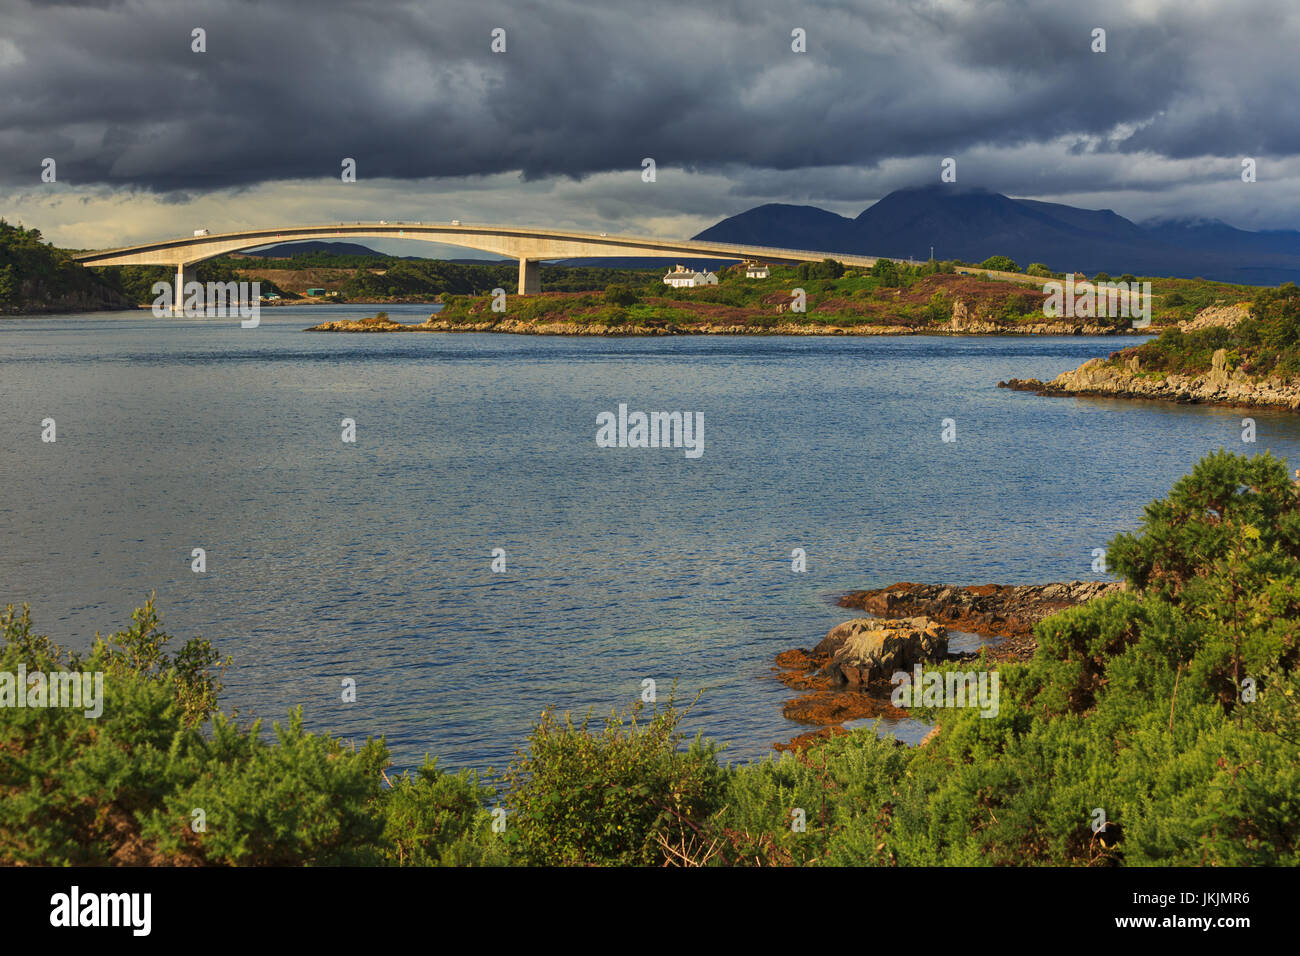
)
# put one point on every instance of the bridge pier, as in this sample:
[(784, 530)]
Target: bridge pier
[(184, 275), (530, 277)]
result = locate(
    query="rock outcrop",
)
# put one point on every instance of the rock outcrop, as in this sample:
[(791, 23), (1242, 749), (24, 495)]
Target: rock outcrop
[(964, 322), (1217, 315), (1218, 386), (845, 677), (376, 323), (868, 650), (994, 610)]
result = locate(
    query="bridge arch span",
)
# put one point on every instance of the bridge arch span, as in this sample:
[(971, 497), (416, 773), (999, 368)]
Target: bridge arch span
[(529, 246)]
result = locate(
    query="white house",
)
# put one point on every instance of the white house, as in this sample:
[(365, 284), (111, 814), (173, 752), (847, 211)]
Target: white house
[(683, 278), (756, 270)]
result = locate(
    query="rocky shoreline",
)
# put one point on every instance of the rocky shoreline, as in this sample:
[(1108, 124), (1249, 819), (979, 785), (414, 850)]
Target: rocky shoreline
[(520, 327), (1007, 611), (1218, 386), (846, 676)]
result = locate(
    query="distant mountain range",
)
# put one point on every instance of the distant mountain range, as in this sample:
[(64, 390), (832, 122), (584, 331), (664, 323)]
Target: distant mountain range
[(973, 224), (284, 250)]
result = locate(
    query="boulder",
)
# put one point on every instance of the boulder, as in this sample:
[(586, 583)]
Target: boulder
[(866, 650), (1218, 373)]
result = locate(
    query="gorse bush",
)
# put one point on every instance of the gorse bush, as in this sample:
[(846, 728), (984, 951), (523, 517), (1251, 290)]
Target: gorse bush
[(435, 818), (628, 794), (124, 787), (829, 805), (1224, 549), (138, 651)]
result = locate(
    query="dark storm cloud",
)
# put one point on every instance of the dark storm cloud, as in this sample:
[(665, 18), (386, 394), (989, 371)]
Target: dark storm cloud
[(411, 90)]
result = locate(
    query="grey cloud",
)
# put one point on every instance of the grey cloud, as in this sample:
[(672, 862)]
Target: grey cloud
[(411, 90), (712, 91)]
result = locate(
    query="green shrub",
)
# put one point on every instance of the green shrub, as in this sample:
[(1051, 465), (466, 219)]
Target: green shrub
[(839, 792), (886, 272), (434, 818), (1000, 264), (826, 269), (124, 787), (621, 295), (624, 795), (939, 308)]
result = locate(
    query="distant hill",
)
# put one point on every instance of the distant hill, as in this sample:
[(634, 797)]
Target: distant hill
[(286, 249), (973, 224)]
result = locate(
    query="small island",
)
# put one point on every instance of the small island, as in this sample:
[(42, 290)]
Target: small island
[(1245, 355), (891, 298)]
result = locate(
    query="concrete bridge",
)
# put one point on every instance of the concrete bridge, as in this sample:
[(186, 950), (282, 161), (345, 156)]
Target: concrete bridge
[(529, 246)]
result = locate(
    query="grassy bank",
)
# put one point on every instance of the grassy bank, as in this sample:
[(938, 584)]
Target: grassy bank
[(1171, 708), (892, 295), (1265, 344)]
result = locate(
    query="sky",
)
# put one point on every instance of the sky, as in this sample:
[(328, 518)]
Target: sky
[(152, 139)]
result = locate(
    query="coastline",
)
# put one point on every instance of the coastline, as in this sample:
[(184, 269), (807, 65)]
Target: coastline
[(1218, 387), (508, 326), (1007, 613)]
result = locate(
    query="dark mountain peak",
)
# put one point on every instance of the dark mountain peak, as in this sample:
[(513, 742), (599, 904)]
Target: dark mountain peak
[(783, 225), (284, 250), (973, 223), (935, 196), (785, 212)]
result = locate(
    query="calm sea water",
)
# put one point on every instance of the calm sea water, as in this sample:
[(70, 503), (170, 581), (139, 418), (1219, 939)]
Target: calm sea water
[(372, 560)]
